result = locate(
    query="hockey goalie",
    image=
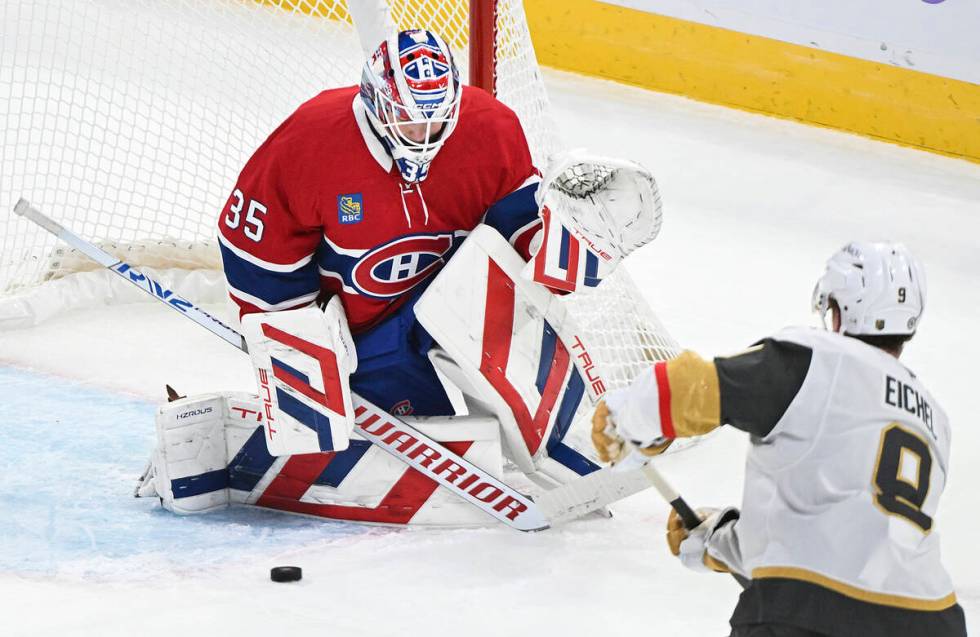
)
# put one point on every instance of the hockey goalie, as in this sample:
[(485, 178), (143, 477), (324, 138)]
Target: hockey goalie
[(393, 242)]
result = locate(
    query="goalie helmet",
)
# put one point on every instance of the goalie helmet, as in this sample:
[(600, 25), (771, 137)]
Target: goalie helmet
[(410, 88), (879, 287)]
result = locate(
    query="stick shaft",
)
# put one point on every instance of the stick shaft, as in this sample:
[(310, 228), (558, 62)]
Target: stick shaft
[(127, 272), (688, 516), (668, 493)]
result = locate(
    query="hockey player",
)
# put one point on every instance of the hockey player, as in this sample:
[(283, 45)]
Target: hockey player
[(336, 227), (364, 192), (848, 460)]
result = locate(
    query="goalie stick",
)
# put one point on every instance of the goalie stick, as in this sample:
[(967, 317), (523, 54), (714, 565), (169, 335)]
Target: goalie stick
[(496, 498)]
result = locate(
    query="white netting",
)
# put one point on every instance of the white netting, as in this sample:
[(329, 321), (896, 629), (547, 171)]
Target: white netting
[(129, 121)]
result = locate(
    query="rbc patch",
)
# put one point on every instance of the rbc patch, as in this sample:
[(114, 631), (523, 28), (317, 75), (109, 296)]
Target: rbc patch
[(350, 208)]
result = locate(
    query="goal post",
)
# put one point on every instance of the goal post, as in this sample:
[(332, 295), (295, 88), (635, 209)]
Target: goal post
[(483, 27)]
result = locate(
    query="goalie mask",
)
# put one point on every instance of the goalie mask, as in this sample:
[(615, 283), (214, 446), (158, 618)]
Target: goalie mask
[(879, 287), (410, 88)]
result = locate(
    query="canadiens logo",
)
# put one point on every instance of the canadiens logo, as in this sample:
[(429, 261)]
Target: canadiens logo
[(402, 408), (394, 268)]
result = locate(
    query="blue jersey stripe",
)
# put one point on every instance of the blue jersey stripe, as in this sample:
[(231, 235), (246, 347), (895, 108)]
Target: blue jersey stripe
[(272, 287), (514, 211), (331, 261)]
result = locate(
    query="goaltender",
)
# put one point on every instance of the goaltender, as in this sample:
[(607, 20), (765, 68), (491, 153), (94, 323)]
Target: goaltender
[(848, 459)]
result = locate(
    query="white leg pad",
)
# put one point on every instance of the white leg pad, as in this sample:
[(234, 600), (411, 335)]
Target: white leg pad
[(188, 468), (211, 453), (504, 340)]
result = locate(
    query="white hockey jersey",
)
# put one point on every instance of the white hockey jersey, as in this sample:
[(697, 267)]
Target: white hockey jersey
[(848, 461), (843, 491)]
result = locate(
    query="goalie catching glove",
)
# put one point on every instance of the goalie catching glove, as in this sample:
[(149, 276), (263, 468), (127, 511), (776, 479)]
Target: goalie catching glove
[(595, 211)]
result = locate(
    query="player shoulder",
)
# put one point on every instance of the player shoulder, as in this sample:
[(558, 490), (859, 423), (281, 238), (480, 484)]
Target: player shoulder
[(328, 112), (826, 343), (825, 340), (858, 352), (480, 108), (296, 145), (324, 110)]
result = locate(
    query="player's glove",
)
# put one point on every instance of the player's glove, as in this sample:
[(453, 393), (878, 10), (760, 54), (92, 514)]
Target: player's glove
[(614, 442), (626, 419), (691, 545)]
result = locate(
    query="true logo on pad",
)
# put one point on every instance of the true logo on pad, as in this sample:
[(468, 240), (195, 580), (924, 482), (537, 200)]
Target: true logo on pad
[(350, 208)]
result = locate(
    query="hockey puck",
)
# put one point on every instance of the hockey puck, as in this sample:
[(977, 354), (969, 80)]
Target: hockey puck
[(286, 574)]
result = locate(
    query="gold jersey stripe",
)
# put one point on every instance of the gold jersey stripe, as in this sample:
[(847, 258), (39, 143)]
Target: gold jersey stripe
[(897, 601), (695, 396)]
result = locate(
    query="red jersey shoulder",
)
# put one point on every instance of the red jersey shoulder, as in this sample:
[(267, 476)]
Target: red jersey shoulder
[(489, 144), (485, 117), (324, 118)]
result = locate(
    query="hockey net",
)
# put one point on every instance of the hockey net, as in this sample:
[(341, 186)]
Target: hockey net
[(129, 121)]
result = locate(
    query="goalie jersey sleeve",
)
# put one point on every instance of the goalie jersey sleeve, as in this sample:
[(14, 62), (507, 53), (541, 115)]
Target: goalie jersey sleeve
[(268, 250)]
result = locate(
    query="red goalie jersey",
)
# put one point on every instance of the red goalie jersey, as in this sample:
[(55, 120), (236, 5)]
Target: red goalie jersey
[(320, 210)]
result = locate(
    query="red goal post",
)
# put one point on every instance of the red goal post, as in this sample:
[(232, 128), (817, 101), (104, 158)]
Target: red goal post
[(483, 31)]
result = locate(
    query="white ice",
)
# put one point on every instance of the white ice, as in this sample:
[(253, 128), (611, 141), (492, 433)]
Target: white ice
[(753, 207)]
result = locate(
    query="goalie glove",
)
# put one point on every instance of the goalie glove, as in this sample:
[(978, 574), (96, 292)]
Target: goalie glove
[(691, 545), (595, 211), (303, 360)]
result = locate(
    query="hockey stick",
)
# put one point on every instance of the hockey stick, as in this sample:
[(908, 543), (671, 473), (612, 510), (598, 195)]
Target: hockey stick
[(461, 477), (636, 463)]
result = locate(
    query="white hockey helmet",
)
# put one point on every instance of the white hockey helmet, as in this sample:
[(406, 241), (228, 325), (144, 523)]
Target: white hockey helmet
[(880, 289), (411, 81)]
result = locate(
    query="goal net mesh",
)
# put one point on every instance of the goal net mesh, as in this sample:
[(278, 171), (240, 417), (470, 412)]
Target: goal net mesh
[(129, 121)]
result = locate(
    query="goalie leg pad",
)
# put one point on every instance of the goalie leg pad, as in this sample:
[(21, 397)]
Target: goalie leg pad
[(211, 452), (506, 335), (188, 469)]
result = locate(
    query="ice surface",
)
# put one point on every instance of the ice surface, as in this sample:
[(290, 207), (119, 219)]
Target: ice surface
[(67, 487), (753, 206)]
